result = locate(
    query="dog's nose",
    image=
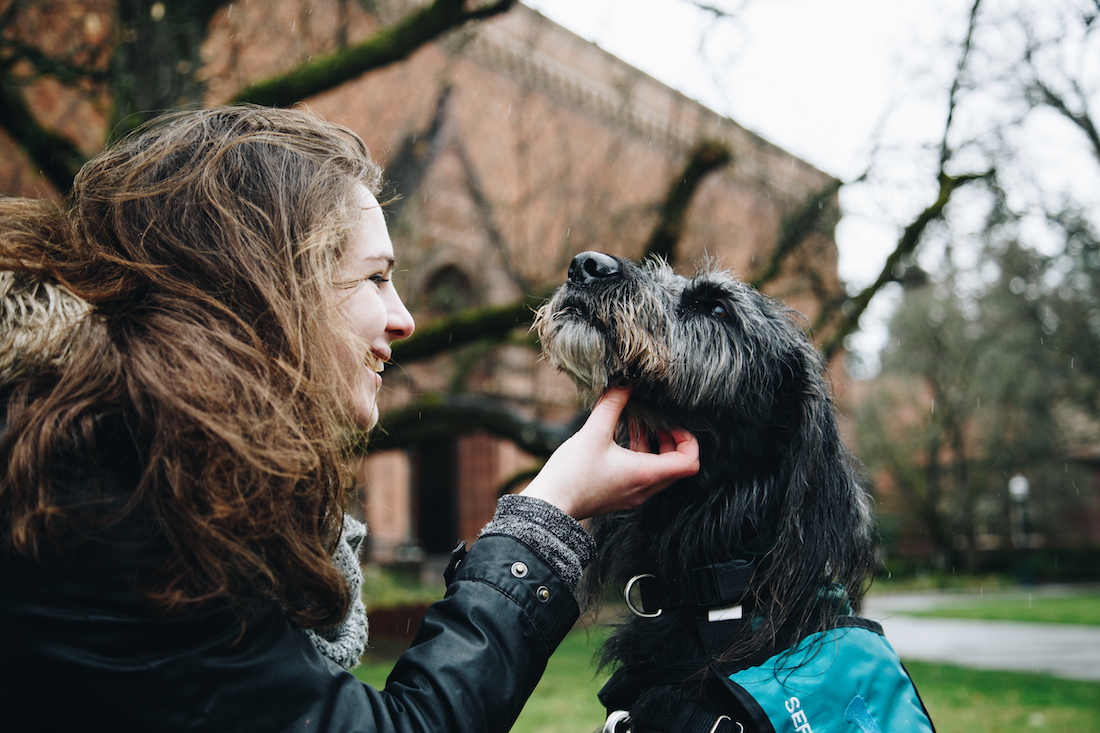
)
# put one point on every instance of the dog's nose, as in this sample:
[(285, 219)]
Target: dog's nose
[(589, 267)]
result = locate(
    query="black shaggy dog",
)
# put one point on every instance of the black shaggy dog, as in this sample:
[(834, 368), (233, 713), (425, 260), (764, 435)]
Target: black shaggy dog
[(772, 540)]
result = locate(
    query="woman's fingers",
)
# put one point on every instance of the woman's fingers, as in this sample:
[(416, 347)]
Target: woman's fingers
[(605, 415), (678, 458), (591, 474)]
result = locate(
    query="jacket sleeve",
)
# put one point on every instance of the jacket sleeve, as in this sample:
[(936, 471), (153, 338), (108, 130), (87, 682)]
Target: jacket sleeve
[(474, 662), (481, 650)]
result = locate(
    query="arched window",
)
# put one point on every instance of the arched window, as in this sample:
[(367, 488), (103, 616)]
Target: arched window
[(448, 290)]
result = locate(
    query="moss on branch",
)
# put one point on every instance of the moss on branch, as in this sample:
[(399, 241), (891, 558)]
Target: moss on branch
[(436, 416), (466, 327), (707, 157), (391, 44), (794, 229)]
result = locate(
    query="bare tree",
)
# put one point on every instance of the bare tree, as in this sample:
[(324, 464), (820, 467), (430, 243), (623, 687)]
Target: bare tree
[(1006, 347)]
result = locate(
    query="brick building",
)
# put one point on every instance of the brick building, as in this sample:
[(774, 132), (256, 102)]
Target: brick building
[(514, 144)]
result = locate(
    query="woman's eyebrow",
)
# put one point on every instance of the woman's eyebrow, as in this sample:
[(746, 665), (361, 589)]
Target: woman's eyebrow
[(388, 261)]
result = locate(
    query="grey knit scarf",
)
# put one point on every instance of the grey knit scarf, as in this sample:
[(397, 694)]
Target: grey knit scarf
[(345, 643)]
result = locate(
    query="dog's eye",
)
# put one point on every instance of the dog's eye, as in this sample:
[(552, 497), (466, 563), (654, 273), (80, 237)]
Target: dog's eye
[(718, 311)]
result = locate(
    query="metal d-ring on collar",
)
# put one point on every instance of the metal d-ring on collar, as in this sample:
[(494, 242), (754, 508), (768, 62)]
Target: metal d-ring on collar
[(712, 587), (615, 719), (637, 611), (619, 718), (731, 721)]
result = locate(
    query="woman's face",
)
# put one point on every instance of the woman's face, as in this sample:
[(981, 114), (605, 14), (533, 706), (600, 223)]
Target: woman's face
[(370, 306)]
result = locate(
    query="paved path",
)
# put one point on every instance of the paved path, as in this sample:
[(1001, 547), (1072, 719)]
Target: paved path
[(1063, 650)]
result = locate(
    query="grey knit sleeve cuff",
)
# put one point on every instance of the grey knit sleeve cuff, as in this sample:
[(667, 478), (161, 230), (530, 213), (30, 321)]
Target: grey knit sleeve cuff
[(558, 539)]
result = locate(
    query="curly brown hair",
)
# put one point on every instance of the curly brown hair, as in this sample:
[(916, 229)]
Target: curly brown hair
[(206, 245)]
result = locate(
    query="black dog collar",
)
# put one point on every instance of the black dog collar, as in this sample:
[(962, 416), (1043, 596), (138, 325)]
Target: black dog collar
[(707, 587)]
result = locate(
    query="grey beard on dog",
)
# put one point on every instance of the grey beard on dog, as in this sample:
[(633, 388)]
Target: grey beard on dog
[(776, 487)]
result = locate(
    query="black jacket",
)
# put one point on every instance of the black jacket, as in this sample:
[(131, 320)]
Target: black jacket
[(76, 648), (77, 645)]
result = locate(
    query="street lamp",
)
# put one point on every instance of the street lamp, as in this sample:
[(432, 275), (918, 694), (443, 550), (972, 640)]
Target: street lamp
[(1019, 488)]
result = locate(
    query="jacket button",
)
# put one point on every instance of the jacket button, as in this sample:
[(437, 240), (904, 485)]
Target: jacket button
[(519, 570), (543, 594)]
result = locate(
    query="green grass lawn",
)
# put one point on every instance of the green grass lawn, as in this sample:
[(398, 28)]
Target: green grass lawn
[(1075, 609), (964, 700), (386, 587), (960, 700)]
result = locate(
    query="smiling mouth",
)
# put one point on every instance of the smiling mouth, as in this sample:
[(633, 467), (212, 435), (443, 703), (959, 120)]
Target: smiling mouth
[(374, 363)]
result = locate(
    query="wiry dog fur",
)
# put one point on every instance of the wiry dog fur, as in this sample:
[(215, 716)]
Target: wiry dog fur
[(734, 367)]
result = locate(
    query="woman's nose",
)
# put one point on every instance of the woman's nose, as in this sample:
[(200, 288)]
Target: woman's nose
[(399, 324)]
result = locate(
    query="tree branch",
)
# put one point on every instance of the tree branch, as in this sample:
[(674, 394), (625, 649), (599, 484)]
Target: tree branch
[(793, 230), (852, 308), (708, 156), (436, 416), (956, 84), (717, 12), (391, 44), (54, 156), (1082, 119), (468, 326), (66, 73)]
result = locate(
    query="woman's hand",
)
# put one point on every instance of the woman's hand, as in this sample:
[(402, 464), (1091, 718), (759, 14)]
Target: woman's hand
[(591, 474)]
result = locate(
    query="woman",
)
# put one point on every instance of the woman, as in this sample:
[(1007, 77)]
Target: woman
[(184, 343)]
